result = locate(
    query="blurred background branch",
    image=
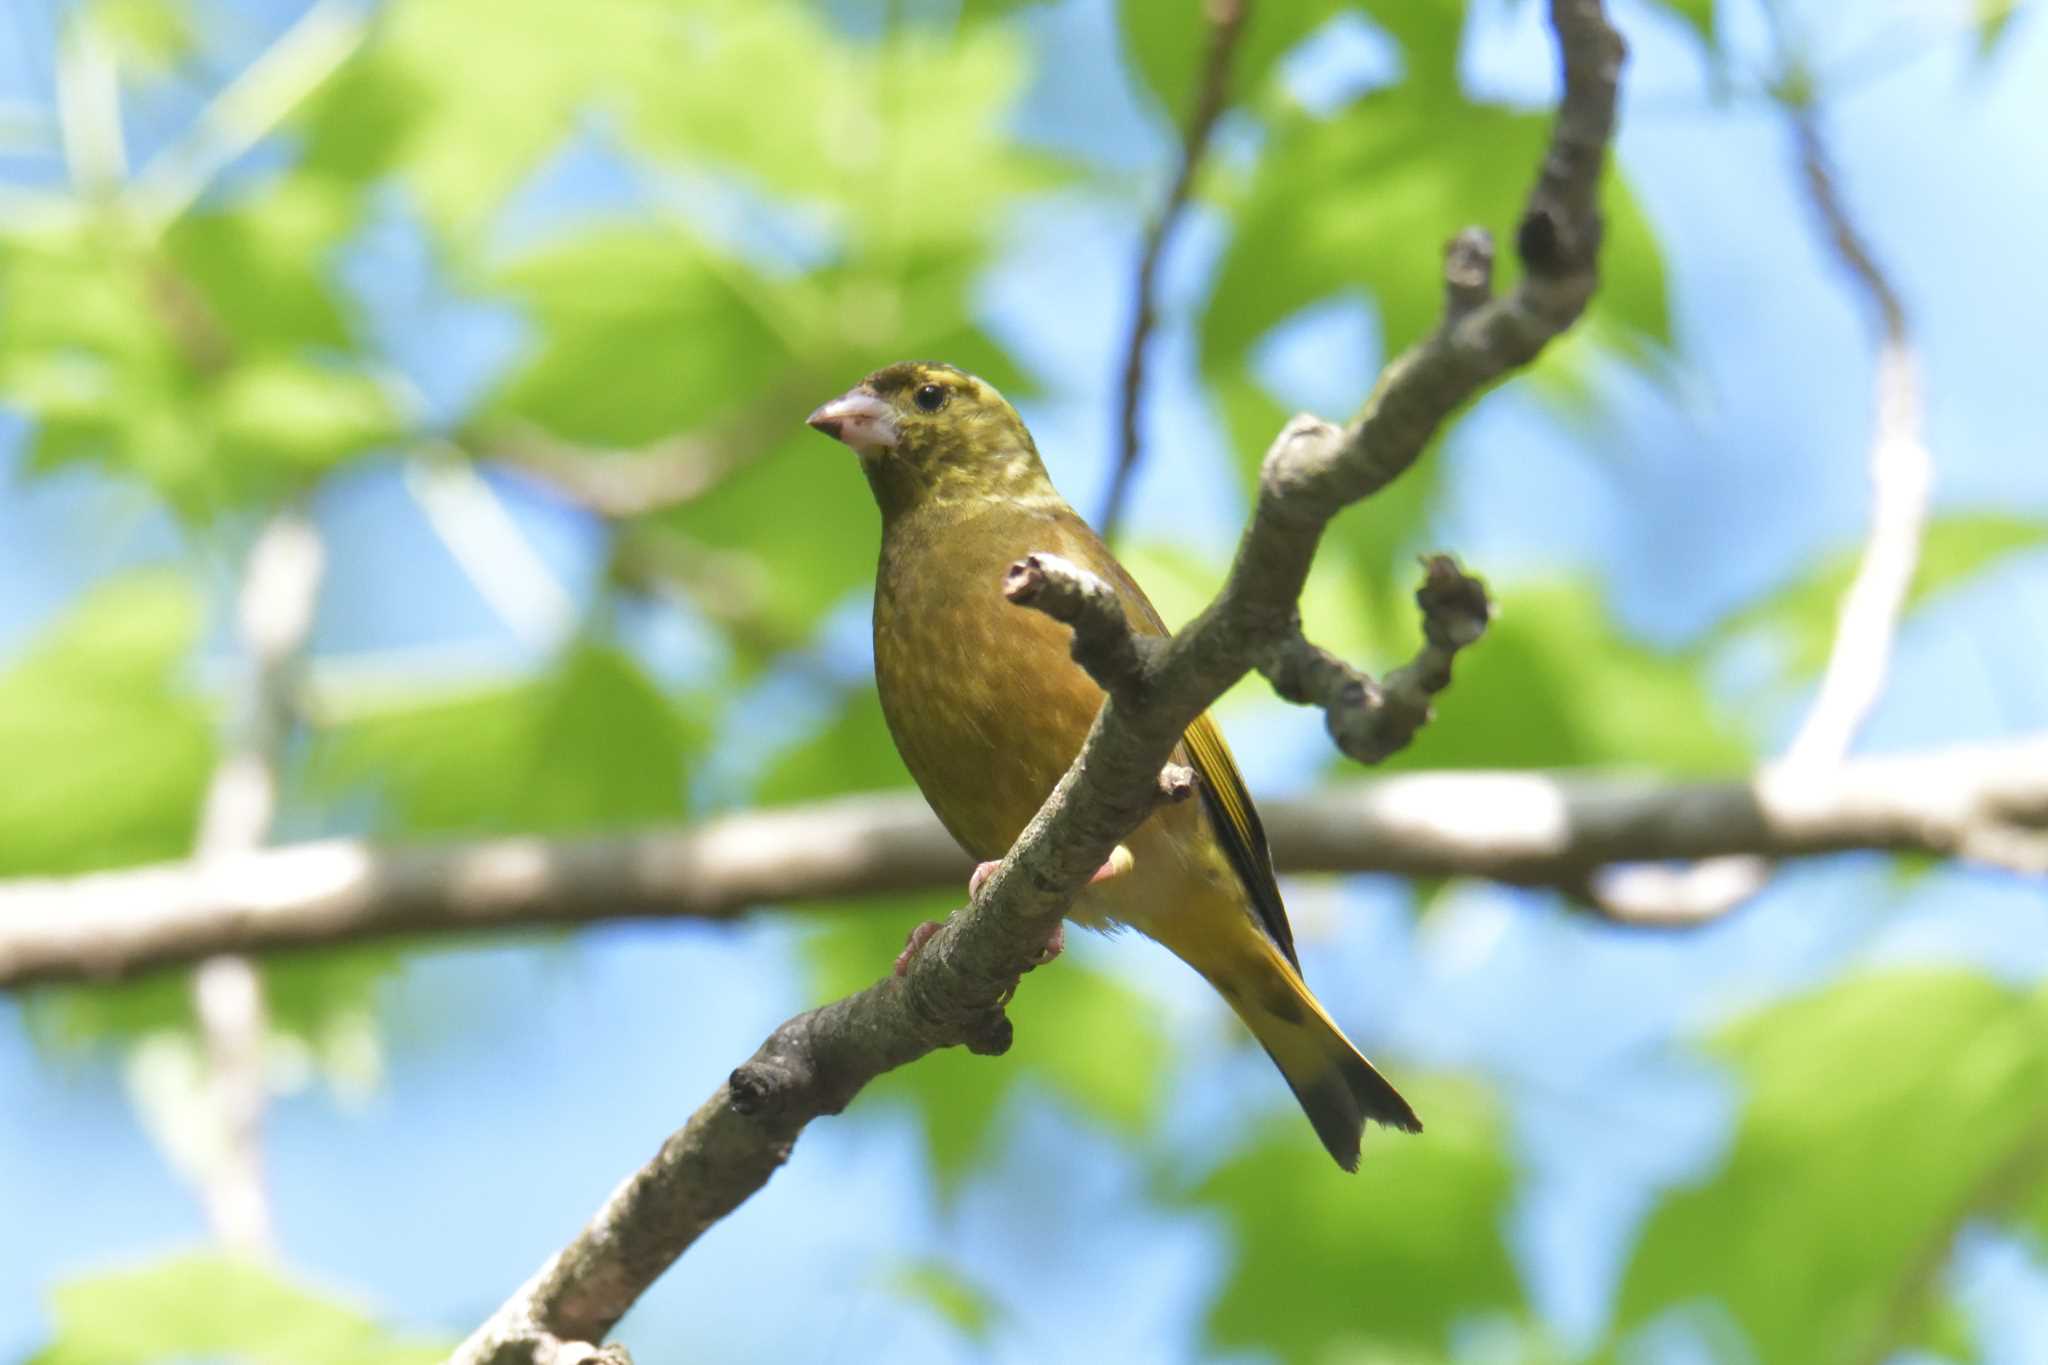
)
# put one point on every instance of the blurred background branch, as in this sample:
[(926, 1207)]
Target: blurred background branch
[(1984, 804), (1226, 21), (1901, 470), (279, 588)]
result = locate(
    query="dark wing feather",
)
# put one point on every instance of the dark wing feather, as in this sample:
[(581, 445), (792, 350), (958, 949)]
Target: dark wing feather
[(1230, 808), (1237, 824)]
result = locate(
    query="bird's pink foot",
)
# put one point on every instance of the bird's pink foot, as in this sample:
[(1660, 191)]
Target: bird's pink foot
[(918, 937), (1118, 863)]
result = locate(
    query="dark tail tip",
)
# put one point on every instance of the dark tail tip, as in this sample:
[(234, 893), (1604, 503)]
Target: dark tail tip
[(1377, 1097), (1338, 1102)]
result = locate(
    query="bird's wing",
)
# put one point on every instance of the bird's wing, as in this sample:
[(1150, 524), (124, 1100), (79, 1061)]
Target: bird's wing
[(1237, 825), (1229, 805)]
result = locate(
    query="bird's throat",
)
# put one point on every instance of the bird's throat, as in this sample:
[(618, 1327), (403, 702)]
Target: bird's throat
[(908, 481)]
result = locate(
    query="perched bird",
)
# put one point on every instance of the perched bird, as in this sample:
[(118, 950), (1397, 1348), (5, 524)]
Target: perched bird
[(988, 708)]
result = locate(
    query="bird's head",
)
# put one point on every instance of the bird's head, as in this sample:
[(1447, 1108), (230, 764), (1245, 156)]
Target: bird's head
[(928, 434)]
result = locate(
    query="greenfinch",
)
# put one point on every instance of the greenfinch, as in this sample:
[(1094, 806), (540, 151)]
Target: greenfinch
[(988, 709)]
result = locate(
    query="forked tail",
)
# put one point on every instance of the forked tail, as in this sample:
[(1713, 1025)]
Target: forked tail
[(1337, 1087)]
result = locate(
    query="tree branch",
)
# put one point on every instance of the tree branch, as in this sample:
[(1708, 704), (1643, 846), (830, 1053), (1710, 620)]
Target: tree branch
[(491, 548), (280, 587), (953, 990), (1901, 475), (1986, 805), (623, 485), (248, 109), (1212, 88), (1104, 643), (619, 485), (1867, 624), (630, 488), (1371, 721)]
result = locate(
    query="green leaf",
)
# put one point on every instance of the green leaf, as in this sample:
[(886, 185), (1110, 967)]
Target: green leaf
[(462, 135), (1396, 176), (992, 11), (970, 1308), (300, 416), (852, 752), (146, 35), (1168, 45), (864, 136), (87, 355), (641, 333), (1697, 15), (1994, 21), (1333, 1266), (1956, 546), (591, 745), (210, 1307), (1880, 1111), (1430, 34), (863, 131), (106, 753), (801, 507), (1947, 1332), (191, 368), (1555, 684), (260, 268)]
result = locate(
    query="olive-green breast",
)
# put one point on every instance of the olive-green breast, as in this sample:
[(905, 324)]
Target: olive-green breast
[(986, 705)]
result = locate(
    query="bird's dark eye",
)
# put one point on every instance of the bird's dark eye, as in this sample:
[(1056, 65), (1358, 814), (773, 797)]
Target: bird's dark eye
[(930, 398)]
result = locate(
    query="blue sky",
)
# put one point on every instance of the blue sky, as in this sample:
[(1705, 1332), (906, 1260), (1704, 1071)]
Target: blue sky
[(523, 1081)]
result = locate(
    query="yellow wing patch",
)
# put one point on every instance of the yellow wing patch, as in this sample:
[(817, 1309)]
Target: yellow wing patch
[(1237, 825), (1223, 794)]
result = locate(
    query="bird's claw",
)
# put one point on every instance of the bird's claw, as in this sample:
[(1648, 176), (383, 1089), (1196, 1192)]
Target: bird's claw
[(918, 938), (1118, 863)]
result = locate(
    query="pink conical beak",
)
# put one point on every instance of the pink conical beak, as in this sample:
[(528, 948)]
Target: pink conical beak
[(859, 418)]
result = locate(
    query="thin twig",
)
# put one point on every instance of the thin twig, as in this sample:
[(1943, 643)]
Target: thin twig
[(628, 488), (1867, 625), (1369, 720), (280, 585), (89, 109), (1901, 476), (624, 485), (1212, 91), (493, 551), (615, 484), (1104, 643), (620, 485), (249, 109)]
